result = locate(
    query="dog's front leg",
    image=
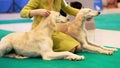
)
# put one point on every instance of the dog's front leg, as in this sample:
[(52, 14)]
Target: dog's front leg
[(62, 55), (47, 53), (104, 49), (92, 47)]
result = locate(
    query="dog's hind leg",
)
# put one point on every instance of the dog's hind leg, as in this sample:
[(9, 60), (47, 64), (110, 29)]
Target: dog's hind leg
[(5, 46), (14, 55)]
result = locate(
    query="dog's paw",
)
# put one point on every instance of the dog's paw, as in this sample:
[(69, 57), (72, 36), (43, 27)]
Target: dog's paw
[(75, 57), (107, 52), (112, 49)]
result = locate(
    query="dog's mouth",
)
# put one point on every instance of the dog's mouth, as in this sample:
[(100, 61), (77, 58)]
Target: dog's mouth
[(88, 19)]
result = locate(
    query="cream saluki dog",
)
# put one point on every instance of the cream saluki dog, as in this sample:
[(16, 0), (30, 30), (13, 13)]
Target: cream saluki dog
[(36, 42), (76, 29)]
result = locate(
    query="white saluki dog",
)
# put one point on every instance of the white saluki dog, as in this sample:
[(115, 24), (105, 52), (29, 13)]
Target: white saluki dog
[(36, 42), (76, 29)]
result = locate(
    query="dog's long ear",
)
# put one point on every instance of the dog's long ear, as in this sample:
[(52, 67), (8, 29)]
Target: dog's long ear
[(80, 16), (52, 22), (52, 17)]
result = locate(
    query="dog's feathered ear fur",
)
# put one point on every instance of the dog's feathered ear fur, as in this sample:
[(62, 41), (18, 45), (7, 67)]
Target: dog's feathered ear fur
[(52, 20), (52, 23), (80, 15)]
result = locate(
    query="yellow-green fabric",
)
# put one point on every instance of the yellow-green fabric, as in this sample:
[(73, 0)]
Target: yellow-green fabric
[(43, 4), (61, 41)]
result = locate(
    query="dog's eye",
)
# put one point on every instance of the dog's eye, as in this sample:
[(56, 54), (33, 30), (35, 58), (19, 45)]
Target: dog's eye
[(89, 10)]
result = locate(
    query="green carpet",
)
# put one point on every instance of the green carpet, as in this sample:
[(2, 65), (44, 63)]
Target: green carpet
[(15, 21), (92, 60), (108, 21), (4, 33)]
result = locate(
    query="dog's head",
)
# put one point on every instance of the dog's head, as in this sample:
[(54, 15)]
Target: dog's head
[(88, 13), (58, 17), (55, 17), (61, 19)]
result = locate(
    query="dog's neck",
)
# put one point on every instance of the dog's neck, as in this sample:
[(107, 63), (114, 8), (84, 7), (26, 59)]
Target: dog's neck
[(43, 27), (79, 19)]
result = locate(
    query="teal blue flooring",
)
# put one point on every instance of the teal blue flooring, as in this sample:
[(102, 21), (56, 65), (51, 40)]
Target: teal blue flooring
[(108, 22), (91, 60), (4, 33), (15, 21)]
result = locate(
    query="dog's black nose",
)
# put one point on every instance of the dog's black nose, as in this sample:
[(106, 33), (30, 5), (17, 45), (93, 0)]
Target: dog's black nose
[(98, 13)]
